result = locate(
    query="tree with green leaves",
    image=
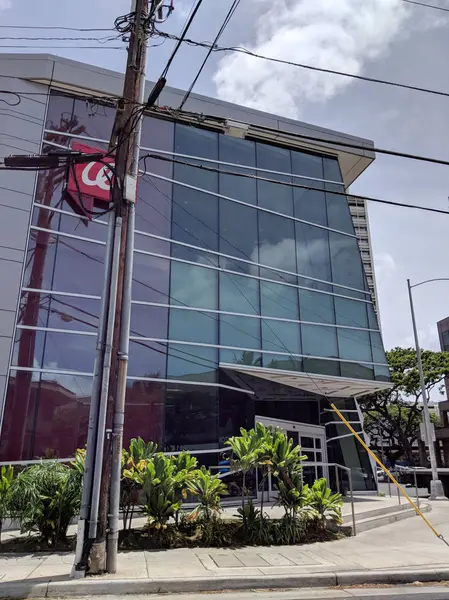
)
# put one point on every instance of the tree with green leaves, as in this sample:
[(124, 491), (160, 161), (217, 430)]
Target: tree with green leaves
[(395, 414)]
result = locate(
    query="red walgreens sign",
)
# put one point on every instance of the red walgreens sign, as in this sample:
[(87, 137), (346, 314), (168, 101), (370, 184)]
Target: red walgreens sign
[(89, 183)]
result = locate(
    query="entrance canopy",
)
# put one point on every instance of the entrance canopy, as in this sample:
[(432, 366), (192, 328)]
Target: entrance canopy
[(325, 385)]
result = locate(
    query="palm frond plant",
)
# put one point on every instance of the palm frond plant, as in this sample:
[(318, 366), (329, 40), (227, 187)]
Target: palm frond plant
[(134, 461), (44, 498), (325, 504), (208, 489), (245, 455), (6, 479)]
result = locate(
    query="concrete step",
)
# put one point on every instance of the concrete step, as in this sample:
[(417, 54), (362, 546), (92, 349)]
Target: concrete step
[(374, 512), (388, 517)]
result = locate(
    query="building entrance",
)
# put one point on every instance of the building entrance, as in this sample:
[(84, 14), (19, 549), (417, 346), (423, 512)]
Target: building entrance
[(312, 439)]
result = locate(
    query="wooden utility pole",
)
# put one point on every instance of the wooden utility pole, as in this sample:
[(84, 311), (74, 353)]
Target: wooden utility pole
[(125, 142)]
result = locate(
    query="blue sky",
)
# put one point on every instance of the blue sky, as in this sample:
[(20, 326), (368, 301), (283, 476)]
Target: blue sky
[(380, 38)]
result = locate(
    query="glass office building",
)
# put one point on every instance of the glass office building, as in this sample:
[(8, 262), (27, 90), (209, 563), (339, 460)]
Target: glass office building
[(249, 301)]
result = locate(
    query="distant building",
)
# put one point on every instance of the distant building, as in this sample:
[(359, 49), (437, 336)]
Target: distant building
[(359, 214)]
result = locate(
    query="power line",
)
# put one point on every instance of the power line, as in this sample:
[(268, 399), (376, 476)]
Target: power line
[(56, 27), (290, 184), (68, 47), (105, 38), (180, 39), (248, 52), (214, 43), (427, 5)]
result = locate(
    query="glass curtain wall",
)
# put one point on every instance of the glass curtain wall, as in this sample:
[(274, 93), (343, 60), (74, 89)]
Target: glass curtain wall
[(227, 270)]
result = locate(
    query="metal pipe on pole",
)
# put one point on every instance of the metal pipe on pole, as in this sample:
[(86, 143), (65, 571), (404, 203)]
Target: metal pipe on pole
[(436, 487), (119, 412), (79, 568)]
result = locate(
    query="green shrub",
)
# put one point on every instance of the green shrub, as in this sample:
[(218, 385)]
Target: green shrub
[(6, 479), (207, 488), (324, 504), (44, 498)]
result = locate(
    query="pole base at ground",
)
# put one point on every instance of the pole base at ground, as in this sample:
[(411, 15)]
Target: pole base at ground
[(437, 490)]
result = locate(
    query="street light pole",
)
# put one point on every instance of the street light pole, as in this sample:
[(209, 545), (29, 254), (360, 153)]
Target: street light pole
[(436, 487)]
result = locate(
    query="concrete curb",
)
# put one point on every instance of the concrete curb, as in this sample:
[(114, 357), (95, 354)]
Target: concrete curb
[(101, 587)]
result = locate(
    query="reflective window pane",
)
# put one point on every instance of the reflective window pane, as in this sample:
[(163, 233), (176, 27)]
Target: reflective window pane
[(346, 261), (240, 152), (351, 312), (357, 370), (310, 205), (315, 307), (193, 286), (46, 415), (147, 359), (144, 411), (338, 214), (282, 362), (377, 348), (149, 321), (153, 209), (312, 249), (249, 358), (238, 236), (332, 173), (319, 341), (239, 294), (236, 410), (194, 218), (277, 246), (193, 363), (83, 258), (241, 332), (354, 344), (193, 326), (280, 336), (272, 195), (40, 260), (150, 278), (279, 300)]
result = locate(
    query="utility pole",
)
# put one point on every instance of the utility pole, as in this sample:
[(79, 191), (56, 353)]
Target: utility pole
[(97, 539)]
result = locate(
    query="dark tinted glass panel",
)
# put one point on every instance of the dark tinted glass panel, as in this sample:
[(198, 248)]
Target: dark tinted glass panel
[(147, 359), (236, 410), (332, 173), (239, 294), (193, 363), (277, 246), (351, 312), (69, 351), (241, 152), (149, 321), (322, 367), (46, 415), (194, 286), (40, 260), (272, 195), (195, 219), (249, 358), (372, 317), (144, 411), (65, 312), (310, 205), (319, 341), (279, 300), (357, 370), (377, 348), (81, 227), (191, 417), (241, 332), (238, 235), (338, 214), (316, 307), (150, 278), (280, 336), (49, 188), (381, 373), (282, 362), (347, 451), (312, 249), (354, 344), (193, 326), (28, 348), (346, 262), (60, 110), (153, 210), (79, 267), (157, 133)]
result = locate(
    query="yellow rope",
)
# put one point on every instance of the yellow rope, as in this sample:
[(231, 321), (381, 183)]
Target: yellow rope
[(384, 468)]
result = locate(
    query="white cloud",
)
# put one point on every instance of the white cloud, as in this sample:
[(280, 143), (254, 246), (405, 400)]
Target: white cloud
[(335, 34)]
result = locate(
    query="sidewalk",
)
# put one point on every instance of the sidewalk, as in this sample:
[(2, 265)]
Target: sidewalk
[(404, 551)]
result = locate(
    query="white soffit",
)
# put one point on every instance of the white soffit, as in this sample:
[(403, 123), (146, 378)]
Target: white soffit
[(325, 385)]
